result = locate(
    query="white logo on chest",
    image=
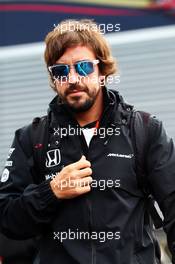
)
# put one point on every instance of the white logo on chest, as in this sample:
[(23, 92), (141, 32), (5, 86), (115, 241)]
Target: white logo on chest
[(117, 155), (53, 158)]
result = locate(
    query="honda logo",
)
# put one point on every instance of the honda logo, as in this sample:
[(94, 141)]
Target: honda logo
[(53, 158)]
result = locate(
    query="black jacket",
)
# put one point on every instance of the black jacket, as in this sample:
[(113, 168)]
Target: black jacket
[(113, 220), (18, 251)]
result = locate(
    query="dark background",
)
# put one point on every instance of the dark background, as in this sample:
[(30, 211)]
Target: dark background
[(29, 21)]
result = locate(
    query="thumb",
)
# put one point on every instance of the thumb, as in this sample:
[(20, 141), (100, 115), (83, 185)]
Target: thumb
[(83, 157)]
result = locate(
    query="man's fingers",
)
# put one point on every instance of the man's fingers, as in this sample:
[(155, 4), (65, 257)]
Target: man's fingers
[(80, 164), (73, 180), (82, 190), (72, 184), (84, 172), (83, 182)]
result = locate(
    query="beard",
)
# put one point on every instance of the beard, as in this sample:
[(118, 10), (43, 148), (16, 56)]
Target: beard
[(76, 103)]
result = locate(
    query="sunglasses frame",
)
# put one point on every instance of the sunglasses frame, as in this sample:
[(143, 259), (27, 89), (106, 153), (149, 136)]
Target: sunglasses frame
[(95, 62)]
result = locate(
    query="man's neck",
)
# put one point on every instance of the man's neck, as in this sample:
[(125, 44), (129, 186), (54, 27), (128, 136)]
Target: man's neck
[(93, 114)]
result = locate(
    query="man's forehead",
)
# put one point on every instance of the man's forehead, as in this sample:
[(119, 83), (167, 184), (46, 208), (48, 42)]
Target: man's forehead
[(77, 53)]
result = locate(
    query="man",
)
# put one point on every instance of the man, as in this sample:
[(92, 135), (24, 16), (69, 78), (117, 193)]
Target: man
[(82, 198)]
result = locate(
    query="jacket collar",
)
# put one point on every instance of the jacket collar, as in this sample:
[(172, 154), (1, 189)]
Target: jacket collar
[(115, 109)]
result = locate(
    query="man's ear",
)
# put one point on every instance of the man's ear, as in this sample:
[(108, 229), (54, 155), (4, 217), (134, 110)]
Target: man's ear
[(101, 80)]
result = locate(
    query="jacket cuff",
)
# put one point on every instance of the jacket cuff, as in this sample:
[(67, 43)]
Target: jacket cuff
[(47, 196)]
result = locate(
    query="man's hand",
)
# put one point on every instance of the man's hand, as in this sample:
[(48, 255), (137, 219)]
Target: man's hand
[(73, 180)]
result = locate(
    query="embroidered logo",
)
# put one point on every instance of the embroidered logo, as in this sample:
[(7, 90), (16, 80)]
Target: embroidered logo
[(5, 175), (126, 156), (10, 152), (53, 158)]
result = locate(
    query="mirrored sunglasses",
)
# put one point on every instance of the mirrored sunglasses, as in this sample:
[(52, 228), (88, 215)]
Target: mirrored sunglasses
[(83, 68)]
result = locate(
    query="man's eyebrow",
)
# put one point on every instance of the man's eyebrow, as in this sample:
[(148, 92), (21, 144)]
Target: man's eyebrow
[(87, 59)]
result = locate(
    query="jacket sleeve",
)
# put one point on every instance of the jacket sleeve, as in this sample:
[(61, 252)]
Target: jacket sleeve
[(25, 207), (161, 176)]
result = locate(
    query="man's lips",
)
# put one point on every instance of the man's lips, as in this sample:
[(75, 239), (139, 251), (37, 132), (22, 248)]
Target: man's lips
[(76, 92)]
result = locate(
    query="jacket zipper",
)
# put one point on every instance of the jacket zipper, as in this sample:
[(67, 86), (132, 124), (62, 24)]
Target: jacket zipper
[(85, 152), (93, 256)]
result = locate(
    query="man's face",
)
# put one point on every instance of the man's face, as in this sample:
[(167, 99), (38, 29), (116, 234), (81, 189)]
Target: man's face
[(78, 92)]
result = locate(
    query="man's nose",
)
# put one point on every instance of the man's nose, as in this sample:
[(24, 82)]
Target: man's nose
[(73, 76)]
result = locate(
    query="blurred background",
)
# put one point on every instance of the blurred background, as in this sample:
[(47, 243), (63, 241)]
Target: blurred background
[(144, 48)]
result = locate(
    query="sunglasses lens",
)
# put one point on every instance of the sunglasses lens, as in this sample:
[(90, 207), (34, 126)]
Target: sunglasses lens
[(84, 68), (60, 71)]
